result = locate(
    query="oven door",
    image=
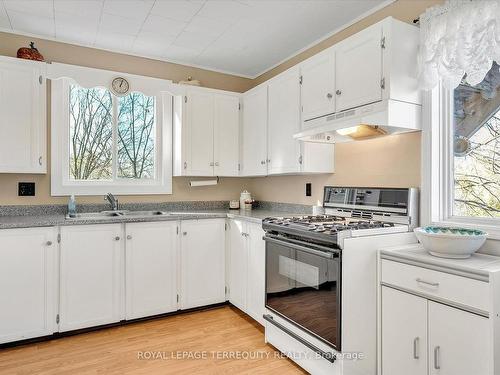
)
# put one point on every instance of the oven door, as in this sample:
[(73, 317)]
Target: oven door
[(303, 286)]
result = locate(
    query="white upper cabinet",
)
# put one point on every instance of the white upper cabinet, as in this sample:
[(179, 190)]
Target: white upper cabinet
[(226, 135), (28, 283), (375, 64), (200, 129), (284, 122), (151, 268), (22, 116), (206, 133), (254, 133), (318, 85), (358, 68)]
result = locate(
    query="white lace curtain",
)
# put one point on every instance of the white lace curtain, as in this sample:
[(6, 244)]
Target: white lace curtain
[(456, 38)]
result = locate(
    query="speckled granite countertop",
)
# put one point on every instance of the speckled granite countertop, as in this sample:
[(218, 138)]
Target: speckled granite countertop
[(56, 219)]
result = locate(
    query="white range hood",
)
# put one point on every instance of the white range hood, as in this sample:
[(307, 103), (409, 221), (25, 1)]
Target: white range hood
[(384, 118)]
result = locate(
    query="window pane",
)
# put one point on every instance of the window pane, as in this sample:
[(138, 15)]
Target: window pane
[(91, 133), (136, 136), (477, 147)]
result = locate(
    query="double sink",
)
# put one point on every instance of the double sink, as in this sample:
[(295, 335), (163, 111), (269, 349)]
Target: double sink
[(129, 214)]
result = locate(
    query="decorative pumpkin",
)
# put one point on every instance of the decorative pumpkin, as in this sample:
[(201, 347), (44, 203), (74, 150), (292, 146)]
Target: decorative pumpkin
[(30, 53)]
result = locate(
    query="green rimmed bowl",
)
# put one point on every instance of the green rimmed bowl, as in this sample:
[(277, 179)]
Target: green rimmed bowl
[(450, 242)]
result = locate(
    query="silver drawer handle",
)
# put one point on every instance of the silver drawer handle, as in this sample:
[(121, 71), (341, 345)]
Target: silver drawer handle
[(416, 354), (129, 237), (117, 238), (419, 280), (48, 243), (437, 364)]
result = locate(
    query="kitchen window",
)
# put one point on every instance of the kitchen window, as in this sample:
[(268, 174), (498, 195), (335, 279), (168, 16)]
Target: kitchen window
[(462, 154), (103, 143)]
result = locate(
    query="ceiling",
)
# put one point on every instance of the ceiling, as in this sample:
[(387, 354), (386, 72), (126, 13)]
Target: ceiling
[(244, 37)]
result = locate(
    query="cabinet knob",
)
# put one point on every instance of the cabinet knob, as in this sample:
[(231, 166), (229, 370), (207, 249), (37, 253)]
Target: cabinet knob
[(216, 163), (263, 162), (212, 164), (184, 233), (329, 95), (117, 238), (338, 92), (185, 165), (129, 237), (48, 243)]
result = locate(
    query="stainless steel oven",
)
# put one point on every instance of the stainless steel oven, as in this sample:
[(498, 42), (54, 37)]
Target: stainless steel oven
[(303, 285)]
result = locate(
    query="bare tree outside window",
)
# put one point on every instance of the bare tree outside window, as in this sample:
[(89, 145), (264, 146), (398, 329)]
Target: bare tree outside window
[(91, 133), (477, 147), (92, 124), (136, 125)]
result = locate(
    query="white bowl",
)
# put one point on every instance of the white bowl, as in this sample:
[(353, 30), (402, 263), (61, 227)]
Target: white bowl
[(456, 243)]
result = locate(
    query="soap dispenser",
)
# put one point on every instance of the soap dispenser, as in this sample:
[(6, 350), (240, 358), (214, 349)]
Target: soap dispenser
[(72, 206)]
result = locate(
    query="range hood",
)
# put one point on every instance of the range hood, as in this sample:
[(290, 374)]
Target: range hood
[(368, 121)]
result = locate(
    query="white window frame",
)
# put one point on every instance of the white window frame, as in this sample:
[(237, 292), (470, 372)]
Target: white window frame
[(61, 185), (437, 167)]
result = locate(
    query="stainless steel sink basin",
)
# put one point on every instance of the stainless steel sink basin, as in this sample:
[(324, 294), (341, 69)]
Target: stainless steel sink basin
[(114, 214)]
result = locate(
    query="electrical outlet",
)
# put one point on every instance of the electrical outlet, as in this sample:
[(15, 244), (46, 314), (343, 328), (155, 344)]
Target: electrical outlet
[(26, 189), (308, 189)]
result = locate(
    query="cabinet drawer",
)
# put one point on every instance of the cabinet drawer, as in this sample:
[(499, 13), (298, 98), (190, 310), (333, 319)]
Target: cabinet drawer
[(442, 285)]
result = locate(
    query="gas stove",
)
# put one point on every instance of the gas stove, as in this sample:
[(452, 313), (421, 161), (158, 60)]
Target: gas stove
[(350, 212)]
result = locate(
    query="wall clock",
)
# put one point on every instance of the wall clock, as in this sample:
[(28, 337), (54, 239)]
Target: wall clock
[(120, 86)]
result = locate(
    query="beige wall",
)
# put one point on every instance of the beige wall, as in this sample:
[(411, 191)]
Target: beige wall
[(391, 161)]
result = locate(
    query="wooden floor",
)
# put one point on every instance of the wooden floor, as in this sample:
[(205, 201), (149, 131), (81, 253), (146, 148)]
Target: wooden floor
[(155, 347)]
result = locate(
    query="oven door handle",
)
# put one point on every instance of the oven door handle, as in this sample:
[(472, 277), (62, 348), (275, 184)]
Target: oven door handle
[(323, 254), (328, 356)]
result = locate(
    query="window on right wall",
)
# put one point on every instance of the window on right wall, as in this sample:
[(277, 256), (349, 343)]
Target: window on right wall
[(476, 148)]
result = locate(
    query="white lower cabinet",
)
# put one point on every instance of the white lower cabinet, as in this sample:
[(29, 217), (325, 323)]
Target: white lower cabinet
[(247, 268), (421, 337), (404, 333), (28, 283), (459, 342), (91, 279), (151, 268), (202, 262)]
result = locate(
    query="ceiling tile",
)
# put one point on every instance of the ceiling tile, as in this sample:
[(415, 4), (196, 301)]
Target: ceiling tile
[(77, 30), (194, 41), (180, 54), (118, 24), (163, 26), (208, 25), (177, 10), (81, 8), (223, 10), (133, 9), (114, 41), (152, 44), (4, 20), (36, 25), (245, 37), (41, 8)]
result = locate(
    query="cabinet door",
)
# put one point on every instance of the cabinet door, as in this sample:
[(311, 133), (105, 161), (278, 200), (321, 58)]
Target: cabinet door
[(151, 268), (404, 333), (284, 122), (28, 274), (202, 262), (358, 69), (91, 275), (200, 134), (459, 342), (226, 135), (238, 264), (22, 116), (254, 134), (256, 272), (318, 86)]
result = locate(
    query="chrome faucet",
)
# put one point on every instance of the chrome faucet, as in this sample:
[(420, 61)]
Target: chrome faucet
[(112, 201)]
